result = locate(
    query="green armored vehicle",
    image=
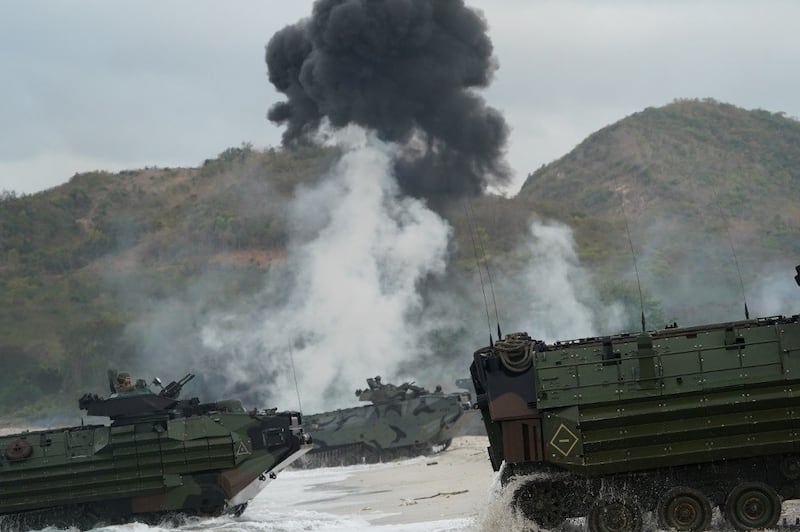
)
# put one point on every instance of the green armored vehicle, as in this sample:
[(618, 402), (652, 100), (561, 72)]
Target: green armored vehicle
[(160, 456), (675, 421), (402, 421)]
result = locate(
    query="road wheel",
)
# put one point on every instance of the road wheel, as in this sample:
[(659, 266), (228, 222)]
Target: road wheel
[(752, 506), (614, 515), (684, 508), (790, 467), (541, 503)]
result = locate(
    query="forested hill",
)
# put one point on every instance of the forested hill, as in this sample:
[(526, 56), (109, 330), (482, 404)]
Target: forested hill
[(702, 185), (699, 182), (83, 260), (702, 162)]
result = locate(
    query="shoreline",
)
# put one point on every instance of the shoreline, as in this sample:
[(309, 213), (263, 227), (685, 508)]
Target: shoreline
[(452, 485)]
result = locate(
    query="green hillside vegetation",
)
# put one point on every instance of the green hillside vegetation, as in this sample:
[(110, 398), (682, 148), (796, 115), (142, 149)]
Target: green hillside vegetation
[(65, 249), (689, 174), (700, 184), (711, 163)]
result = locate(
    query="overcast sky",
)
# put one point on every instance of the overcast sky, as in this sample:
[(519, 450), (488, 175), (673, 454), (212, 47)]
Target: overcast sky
[(102, 85)]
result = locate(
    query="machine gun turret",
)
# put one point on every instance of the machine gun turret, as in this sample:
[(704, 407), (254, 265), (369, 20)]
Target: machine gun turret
[(131, 402), (379, 392), (173, 389)]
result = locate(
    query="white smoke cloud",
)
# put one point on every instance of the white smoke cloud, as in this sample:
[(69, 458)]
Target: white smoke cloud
[(359, 254), (775, 294), (362, 292), (560, 302)]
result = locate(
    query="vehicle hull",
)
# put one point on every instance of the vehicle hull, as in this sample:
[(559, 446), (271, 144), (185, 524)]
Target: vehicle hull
[(384, 431), (197, 465)]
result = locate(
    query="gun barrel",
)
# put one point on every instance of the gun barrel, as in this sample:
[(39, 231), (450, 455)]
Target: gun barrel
[(174, 388)]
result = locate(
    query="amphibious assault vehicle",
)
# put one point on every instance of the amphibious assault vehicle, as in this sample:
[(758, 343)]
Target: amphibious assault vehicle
[(401, 421), (160, 456), (674, 421)]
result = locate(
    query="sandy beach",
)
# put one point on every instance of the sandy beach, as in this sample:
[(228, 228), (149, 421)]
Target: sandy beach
[(452, 484)]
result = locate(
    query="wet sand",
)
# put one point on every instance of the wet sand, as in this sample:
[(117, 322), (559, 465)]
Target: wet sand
[(452, 484)]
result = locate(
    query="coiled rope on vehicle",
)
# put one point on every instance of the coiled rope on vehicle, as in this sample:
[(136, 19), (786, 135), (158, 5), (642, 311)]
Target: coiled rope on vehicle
[(515, 351), (18, 450)]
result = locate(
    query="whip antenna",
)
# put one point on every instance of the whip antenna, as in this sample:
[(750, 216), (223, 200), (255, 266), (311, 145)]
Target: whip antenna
[(489, 275), (633, 254), (733, 252), (480, 273), (294, 375), (739, 273)]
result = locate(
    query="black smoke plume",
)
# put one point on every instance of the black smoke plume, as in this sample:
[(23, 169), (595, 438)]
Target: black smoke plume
[(406, 69)]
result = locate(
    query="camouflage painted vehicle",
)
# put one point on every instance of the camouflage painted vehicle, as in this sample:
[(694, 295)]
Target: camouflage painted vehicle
[(675, 422), (159, 457), (402, 421)]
